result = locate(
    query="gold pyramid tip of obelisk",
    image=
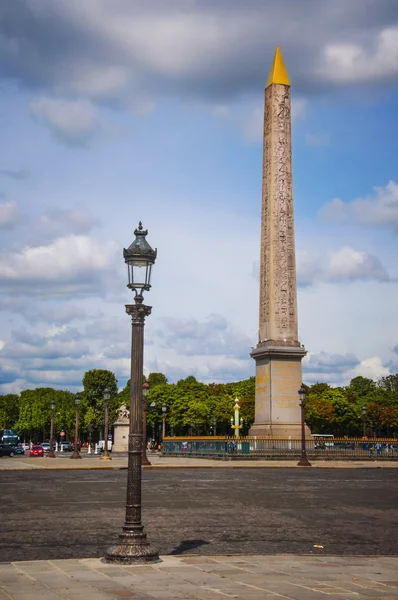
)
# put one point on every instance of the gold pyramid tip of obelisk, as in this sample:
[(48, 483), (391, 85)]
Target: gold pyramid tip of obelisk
[(278, 73)]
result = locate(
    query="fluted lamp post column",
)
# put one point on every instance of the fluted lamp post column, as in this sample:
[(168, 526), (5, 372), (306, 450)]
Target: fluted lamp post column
[(76, 450), (132, 546), (364, 412), (303, 462), (51, 453), (164, 415), (145, 393), (107, 397)]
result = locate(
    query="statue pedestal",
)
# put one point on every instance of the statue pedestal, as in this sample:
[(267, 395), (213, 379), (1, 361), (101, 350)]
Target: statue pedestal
[(121, 429), (120, 437)]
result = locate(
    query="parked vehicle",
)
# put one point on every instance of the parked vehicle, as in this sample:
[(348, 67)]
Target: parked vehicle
[(66, 447), (18, 449), (6, 450), (46, 446), (101, 445), (36, 451), (25, 446)]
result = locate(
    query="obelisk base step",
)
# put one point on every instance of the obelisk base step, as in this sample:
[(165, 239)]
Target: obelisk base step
[(281, 430), (278, 379)]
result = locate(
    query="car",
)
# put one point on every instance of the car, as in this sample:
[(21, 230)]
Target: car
[(18, 449), (46, 446), (66, 447), (36, 451), (6, 450), (25, 446)]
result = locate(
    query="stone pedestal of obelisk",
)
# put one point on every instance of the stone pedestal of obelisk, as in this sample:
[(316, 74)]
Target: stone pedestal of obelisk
[(278, 353)]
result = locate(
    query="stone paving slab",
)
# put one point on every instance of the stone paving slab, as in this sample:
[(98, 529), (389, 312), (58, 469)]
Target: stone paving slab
[(165, 462), (283, 577)]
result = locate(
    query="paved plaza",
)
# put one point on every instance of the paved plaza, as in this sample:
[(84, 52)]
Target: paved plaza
[(205, 578)]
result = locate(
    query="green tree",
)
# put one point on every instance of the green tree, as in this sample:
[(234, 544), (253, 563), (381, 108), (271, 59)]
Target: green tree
[(361, 387), (35, 413), (94, 383), (9, 410), (156, 379)]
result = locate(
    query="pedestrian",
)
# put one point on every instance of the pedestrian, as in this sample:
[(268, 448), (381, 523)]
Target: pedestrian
[(378, 448)]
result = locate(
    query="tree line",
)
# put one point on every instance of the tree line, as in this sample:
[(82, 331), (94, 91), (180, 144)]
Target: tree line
[(196, 408)]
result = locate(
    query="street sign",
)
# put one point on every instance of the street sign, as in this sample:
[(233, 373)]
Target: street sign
[(62, 433)]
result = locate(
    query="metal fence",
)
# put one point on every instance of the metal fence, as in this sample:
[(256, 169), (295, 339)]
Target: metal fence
[(231, 448)]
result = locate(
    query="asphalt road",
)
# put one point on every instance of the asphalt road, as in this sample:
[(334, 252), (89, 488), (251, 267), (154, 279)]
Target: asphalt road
[(65, 514)]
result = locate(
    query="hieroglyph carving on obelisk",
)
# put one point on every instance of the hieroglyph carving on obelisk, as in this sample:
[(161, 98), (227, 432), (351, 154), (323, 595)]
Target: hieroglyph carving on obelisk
[(278, 299)]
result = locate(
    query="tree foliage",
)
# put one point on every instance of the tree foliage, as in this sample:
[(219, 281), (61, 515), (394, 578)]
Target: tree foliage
[(194, 406)]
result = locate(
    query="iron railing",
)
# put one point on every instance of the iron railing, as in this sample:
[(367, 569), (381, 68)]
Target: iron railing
[(231, 448)]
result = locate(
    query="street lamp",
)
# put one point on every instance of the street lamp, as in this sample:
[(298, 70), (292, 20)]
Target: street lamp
[(238, 422), (303, 462), (164, 413), (215, 426), (76, 450), (107, 397), (51, 453), (364, 413), (153, 406), (145, 392), (132, 545)]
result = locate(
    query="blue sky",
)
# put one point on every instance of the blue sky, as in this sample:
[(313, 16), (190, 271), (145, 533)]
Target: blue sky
[(117, 112)]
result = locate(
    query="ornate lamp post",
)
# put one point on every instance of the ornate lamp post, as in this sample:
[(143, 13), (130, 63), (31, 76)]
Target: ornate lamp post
[(303, 462), (238, 425), (132, 545), (76, 451), (164, 414), (145, 392), (107, 397), (89, 439), (51, 453), (153, 406), (364, 413)]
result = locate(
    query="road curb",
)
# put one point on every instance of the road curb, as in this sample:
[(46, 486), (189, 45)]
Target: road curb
[(208, 466)]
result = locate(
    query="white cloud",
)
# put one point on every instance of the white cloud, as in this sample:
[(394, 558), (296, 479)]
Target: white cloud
[(57, 222), (344, 265), (73, 121), (379, 209), (370, 367), (363, 62), (8, 215), (214, 336), (72, 264)]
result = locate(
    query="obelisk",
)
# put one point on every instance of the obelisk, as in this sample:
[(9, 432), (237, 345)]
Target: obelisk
[(278, 353)]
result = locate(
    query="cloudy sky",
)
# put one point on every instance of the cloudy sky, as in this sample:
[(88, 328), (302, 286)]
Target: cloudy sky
[(125, 110)]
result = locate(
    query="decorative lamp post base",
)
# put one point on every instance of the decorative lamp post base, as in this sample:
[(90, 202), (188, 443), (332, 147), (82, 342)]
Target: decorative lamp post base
[(304, 462), (132, 548)]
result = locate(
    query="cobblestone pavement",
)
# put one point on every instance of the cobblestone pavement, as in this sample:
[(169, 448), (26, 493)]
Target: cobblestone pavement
[(205, 578), (78, 514)]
